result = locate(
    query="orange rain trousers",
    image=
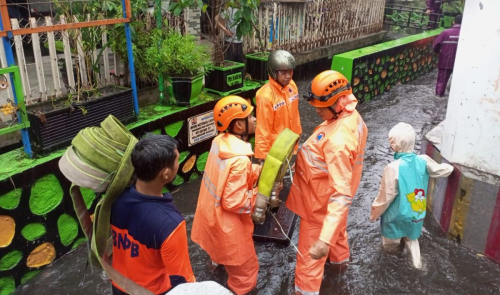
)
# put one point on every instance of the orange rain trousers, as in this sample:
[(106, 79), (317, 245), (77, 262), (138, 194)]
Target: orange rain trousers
[(243, 278), (309, 271)]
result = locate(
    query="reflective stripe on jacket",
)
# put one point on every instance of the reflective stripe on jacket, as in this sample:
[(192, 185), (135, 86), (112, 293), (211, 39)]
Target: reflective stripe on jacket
[(446, 45), (222, 223)]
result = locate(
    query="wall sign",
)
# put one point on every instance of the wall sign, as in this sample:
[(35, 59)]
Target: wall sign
[(201, 127)]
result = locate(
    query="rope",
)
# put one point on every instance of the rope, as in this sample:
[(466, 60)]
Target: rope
[(286, 236)]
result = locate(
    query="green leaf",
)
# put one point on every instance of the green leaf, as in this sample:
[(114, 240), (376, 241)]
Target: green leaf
[(204, 9), (246, 28), (247, 15), (172, 6), (237, 15), (177, 10)]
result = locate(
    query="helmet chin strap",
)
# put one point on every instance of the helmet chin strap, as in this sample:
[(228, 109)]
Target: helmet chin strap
[(243, 135), (335, 114)]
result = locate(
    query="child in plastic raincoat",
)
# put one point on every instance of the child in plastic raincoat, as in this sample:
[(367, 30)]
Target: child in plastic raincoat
[(401, 200)]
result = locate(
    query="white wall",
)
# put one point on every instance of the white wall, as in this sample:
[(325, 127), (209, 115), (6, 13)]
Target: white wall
[(472, 131)]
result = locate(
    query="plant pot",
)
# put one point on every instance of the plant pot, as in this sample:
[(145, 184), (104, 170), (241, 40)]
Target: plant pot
[(225, 79), (54, 123), (186, 88), (257, 66)]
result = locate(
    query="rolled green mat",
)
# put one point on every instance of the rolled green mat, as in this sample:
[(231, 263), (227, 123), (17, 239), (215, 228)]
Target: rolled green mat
[(83, 174)]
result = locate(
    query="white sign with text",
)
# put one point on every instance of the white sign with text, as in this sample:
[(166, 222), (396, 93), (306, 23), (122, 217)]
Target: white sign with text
[(201, 127)]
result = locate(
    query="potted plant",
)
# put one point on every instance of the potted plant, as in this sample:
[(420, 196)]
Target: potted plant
[(56, 121), (257, 65), (225, 75), (181, 60)]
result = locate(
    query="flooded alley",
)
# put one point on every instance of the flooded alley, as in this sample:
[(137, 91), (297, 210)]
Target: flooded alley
[(448, 267)]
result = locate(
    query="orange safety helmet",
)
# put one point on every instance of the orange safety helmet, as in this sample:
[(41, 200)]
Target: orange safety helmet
[(326, 88), (229, 108)]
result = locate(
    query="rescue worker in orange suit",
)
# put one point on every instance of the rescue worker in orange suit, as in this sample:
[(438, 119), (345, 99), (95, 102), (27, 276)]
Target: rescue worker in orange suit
[(277, 103), (327, 174), (222, 223)]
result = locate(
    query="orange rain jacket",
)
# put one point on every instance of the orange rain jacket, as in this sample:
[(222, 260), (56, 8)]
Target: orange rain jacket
[(328, 171), (222, 223), (277, 109)]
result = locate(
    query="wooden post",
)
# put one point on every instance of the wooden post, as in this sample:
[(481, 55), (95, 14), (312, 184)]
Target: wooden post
[(67, 55), (53, 59), (18, 43), (35, 41), (105, 55), (81, 56)]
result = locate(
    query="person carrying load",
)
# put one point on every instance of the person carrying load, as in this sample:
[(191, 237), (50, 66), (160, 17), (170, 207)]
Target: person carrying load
[(327, 175), (148, 234), (222, 223)]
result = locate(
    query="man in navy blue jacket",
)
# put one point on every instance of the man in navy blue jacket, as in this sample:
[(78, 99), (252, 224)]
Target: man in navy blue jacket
[(149, 234)]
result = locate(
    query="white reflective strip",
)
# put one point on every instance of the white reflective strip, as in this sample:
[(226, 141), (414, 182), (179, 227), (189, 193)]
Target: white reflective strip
[(313, 160), (245, 209), (347, 260), (208, 185), (297, 289), (450, 42), (343, 200), (453, 37), (210, 182)]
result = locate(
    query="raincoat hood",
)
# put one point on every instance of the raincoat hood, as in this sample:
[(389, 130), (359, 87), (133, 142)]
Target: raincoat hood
[(231, 146), (402, 138), (346, 102)]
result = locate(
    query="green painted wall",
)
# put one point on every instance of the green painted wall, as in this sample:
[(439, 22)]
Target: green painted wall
[(182, 156), (202, 161), (10, 200), (178, 180), (88, 196), (174, 128), (194, 176), (78, 242), (29, 275), (46, 194), (375, 69), (67, 228), (7, 285), (33, 231), (10, 260)]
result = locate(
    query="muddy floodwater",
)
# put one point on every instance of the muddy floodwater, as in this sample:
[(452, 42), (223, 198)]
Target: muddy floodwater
[(448, 267)]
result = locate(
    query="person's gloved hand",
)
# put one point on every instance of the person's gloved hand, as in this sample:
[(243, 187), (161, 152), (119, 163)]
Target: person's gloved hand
[(428, 11), (319, 250), (277, 188)]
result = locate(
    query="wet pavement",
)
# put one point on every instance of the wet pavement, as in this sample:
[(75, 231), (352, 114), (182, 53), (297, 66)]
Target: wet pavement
[(448, 267)]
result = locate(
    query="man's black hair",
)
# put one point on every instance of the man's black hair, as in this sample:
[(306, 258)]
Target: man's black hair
[(458, 19), (152, 154)]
